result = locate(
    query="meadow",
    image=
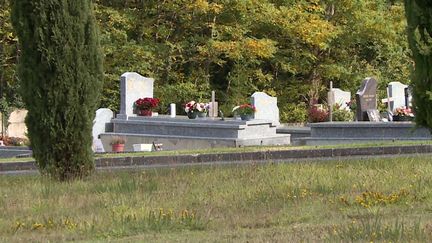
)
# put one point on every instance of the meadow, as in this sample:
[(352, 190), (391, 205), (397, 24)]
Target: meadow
[(377, 199)]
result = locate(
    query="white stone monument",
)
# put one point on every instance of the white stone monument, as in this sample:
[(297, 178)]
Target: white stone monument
[(396, 95), (341, 98), (132, 87), (266, 107), (17, 126), (103, 116)]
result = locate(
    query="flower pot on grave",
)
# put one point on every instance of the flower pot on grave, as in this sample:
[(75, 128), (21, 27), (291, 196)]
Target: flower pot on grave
[(403, 118), (145, 113), (202, 114), (192, 115), (117, 148), (246, 117)]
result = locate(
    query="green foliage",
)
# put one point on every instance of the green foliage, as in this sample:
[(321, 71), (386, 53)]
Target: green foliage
[(342, 115), (180, 94), (289, 49), (60, 70), (292, 113), (8, 53), (419, 16)]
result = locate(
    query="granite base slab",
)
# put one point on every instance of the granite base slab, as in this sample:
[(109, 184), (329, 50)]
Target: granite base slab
[(184, 133), (192, 143), (364, 132)]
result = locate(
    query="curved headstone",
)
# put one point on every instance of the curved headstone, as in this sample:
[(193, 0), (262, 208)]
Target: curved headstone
[(103, 116), (132, 87), (266, 107)]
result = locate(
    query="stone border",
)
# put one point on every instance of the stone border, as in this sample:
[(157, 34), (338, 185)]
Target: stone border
[(128, 161)]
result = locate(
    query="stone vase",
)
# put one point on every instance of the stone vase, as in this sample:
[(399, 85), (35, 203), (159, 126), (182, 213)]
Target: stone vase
[(145, 113), (202, 114), (246, 117), (192, 115)]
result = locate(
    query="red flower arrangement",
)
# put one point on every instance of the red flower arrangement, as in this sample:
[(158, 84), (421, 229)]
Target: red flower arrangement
[(146, 103), (144, 106)]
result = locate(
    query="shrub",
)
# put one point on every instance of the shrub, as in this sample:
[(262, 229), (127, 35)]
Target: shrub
[(60, 72), (318, 114), (293, 113), (342, 115)]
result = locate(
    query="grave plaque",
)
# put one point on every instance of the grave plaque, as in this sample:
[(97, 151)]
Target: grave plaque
[(132, 87), (266, 107), (366, 99), (373, 115)]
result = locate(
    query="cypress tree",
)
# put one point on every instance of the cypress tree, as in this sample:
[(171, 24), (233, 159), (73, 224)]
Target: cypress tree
[(419, 17), (60, 70)]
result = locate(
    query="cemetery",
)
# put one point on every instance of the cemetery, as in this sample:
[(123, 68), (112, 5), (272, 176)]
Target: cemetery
[(180, 132), (175, 132), (215, 121), (209, 129)]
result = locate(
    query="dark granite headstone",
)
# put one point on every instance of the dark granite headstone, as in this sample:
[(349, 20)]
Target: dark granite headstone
[(366, 99)]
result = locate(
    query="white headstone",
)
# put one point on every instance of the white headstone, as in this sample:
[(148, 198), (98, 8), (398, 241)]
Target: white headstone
[(103, 116), (17, 126), (397, 95), (341, 98), (266, 107), (98, 146), (132, 87)]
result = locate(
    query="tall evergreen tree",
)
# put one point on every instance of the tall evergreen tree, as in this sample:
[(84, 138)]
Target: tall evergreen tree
[(60, 71), (419, 16)]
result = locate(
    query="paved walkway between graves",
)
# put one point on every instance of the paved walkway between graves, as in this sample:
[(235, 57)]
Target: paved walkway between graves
[(131, 162)]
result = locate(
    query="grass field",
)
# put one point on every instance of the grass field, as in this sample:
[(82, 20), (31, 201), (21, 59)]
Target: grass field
[(386, 199)]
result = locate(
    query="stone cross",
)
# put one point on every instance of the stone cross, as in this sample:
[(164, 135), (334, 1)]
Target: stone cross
[(331, 101), (213, 106), (132, 87), (366, 98)]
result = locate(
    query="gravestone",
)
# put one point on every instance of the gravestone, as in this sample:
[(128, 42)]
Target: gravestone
[(341, 98), (102, 119), (266, 107), (397, 95), (366, 98), (17, 126), (132, 87)]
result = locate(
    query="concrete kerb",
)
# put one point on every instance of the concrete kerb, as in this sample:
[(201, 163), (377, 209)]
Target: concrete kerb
[(280, 155)]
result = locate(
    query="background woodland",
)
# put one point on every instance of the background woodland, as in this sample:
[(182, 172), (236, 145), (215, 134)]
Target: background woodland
[(291, 49)]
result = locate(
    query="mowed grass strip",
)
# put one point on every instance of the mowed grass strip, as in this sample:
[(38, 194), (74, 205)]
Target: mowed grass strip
[(386, 199)]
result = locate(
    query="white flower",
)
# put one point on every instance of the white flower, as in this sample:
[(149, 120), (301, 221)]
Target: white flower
[(190, 106)]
